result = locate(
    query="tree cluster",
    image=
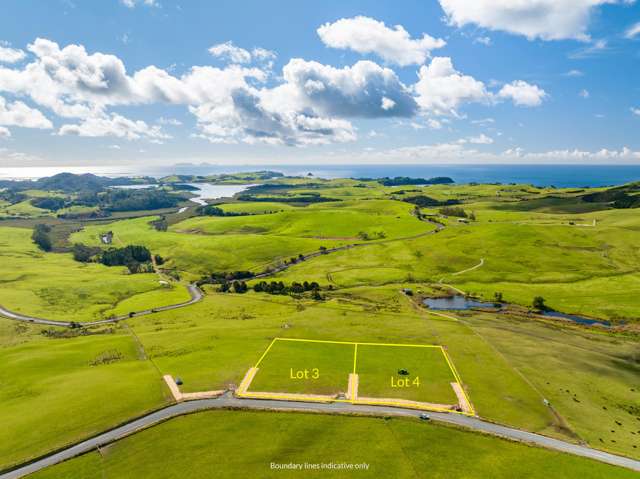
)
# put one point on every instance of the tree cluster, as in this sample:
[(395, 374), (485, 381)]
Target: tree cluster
[(51, 203), (211, 210), (456, 211), (405, 180), (136, 258), (41, 237)]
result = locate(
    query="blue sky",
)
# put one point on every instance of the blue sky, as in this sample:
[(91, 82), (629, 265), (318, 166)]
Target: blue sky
[(448, 81)]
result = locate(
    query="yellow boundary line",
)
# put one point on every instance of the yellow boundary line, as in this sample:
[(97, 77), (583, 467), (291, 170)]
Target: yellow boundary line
[(266, 351), (355, 343), (296, 397), (355, 357), (458, 380)]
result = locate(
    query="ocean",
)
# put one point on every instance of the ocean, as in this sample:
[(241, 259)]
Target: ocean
[(562, 176)]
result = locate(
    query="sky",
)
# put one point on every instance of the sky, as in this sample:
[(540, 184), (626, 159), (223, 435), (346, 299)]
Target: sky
[(161, 82)]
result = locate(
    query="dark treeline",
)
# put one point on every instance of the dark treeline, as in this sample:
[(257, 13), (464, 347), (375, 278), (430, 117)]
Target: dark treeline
[(225, 277), (136, 200), (426, 201), (125, 256), (618, 197), (405, 180), (71, 183), (456, 211), (41, 237), (52, 203), (272, 287), (211, 210), (302, 198)]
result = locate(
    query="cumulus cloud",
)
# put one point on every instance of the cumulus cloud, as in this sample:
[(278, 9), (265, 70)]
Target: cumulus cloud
[(228, 51), (231, 52), (309, 103), (584, 93), (544, 19), (523, 93), (113, 125), (367, 35), (441, 89), (635, 111), (19, 114), (4, 132), (364, 90), (11, 55)]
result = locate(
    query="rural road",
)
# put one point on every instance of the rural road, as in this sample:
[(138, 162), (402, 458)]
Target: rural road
[(228, 401), (194, 292)]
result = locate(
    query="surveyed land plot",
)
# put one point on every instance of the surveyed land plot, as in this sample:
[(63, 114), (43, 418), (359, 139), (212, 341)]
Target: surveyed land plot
[(304, 367), (403, 375), (415, 373)]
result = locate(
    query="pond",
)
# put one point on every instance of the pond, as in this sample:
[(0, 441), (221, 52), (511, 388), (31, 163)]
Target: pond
[(457, 302), (208, 191), (577, 319)]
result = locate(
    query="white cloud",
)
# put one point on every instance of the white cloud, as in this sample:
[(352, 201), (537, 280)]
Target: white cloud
[(633, 31), (367, 35), (231, 52), (635, 111), (387, 103), (352, 91), (544, 19), (481, 139), (19, 114), (441, 89), (263, 54), (594, 48), (486, 41), (460, 153), (309, 103), (11, 55), (523, 93), (4, 132), (133, 3), (114, 125), (584, 93), (574, 73)]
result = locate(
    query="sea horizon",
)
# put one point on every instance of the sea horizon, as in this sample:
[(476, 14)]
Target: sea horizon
[(561, 175)]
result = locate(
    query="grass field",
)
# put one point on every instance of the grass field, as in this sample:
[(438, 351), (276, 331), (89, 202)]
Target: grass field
[(428, 380), (59, 390), (304, 367), (233, 443), (56, 389), (54, 286)]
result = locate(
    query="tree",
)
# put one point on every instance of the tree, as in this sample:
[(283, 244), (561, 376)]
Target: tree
[(84, 253), (239, 287), (159, 259), (497, 296), (538, 303), (40, 236)]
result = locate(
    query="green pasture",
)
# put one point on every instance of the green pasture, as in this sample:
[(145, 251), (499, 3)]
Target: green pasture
[(54, 286), (304, 367), (197, 254), (229, 443), (56, 391), (429, 377)]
